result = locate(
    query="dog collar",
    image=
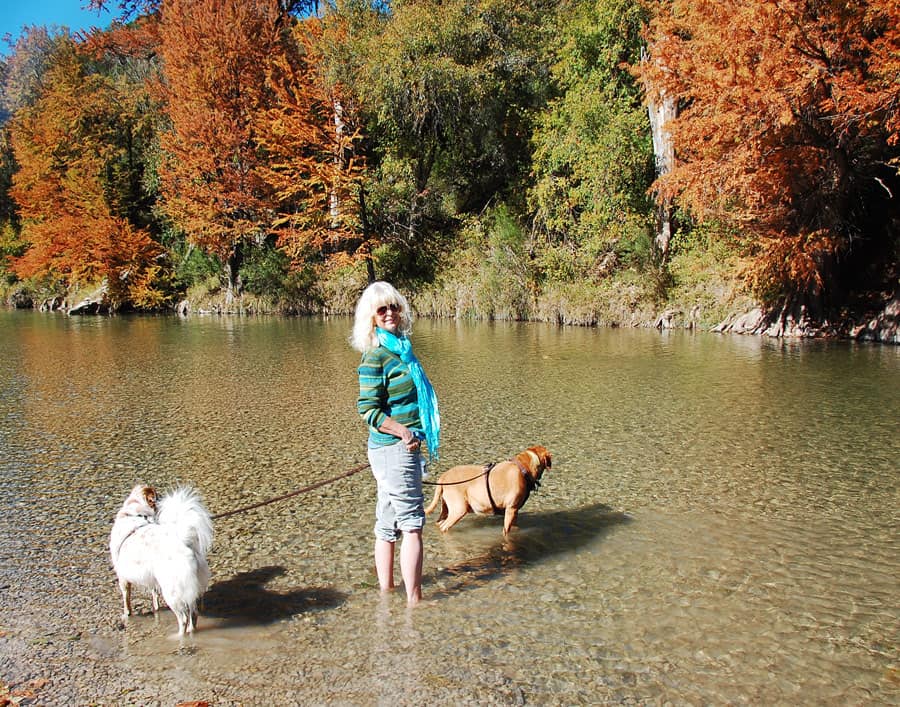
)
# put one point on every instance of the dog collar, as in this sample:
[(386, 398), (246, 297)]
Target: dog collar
[(531, 482)]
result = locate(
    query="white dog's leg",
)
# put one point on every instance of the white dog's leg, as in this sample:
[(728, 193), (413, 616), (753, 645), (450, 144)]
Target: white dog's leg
[(154, 594), (181, 621), (125, 587)]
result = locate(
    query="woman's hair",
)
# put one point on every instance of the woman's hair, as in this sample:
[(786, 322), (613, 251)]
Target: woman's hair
[(376, 295)]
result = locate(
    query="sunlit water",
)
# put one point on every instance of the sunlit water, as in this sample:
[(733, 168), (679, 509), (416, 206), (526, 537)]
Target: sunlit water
[(720, 525)]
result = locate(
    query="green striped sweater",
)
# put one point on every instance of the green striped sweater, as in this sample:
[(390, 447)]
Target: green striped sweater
[(386, 389)]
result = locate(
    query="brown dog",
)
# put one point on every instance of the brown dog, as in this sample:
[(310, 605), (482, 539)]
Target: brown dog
[(499, 488)]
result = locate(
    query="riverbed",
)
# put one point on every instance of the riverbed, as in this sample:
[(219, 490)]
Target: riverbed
[(719, 525)]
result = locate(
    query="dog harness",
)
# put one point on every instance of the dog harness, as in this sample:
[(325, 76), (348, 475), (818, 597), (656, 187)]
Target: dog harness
[(148, 520), (530, 483)]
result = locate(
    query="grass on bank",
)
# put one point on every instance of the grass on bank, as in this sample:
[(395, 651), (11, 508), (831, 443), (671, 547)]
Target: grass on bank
[(493, 270)]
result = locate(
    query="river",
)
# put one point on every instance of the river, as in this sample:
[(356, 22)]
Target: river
[(720, 524)]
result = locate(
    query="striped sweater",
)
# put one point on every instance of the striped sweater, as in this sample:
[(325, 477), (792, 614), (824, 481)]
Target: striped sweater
[(386, 389)]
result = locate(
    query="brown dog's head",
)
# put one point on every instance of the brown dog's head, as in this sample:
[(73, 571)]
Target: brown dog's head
[(140, 502), (536, 459)]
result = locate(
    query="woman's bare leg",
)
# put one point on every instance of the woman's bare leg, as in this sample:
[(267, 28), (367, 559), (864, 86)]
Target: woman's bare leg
[(384, 564), (411, 556)]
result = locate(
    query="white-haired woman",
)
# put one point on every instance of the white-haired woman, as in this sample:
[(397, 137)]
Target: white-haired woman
[(399, 406)]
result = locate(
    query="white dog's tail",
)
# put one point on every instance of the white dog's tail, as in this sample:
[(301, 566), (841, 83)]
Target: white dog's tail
[(183, 509)]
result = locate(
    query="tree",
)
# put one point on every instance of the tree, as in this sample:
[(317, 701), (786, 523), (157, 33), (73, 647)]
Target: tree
[(26, 65), (215, 56), (132, 9), (311, 140), (445, 93), (789, 131), (592, 153), (74, 189)]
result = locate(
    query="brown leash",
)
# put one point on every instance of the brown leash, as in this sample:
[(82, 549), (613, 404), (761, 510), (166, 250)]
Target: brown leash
[(356, 470), (529, 481), (487, 469), (311, 487)]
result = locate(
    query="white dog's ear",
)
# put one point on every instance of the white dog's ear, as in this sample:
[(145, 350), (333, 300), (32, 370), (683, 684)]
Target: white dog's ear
[(149, 494)]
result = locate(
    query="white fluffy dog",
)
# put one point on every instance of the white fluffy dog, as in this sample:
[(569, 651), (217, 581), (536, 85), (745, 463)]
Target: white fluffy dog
[(162, 545)]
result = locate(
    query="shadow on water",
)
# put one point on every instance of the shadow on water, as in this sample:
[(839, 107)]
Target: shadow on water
[(540, 536), (245, 600)]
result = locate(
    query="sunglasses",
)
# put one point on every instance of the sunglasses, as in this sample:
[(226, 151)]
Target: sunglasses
[(382, 310)]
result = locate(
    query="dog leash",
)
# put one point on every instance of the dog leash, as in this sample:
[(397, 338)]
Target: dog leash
[(351, 472), (487, 470), (487, 486), (532, 484), (311, 487)]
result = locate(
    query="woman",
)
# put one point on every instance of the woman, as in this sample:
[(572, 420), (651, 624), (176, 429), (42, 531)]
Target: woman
[(399, 406)]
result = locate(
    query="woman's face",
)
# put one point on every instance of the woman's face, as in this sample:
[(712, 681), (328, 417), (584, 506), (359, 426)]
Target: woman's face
[(387, 316)]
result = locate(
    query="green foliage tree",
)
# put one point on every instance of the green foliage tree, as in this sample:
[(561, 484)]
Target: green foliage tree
[(10, 244), (593, 161), (446, 91)]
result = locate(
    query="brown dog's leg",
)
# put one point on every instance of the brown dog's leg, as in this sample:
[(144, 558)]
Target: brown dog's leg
[(509, 518), (453, 517)]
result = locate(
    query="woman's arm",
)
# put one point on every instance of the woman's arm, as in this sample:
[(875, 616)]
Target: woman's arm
[(406, 435), (372, 399)]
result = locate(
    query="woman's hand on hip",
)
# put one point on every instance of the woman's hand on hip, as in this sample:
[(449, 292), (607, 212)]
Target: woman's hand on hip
[(406, 435), (411, 441)]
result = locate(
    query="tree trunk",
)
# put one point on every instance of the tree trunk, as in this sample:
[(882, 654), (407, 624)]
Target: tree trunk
[(334, 202), (366, 234), (233, 275), (660, 112)]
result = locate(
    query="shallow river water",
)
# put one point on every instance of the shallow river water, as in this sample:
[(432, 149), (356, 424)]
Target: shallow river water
[(720, 525)]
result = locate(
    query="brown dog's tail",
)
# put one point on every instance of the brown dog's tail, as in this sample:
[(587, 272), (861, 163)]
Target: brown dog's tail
[(438, 493)]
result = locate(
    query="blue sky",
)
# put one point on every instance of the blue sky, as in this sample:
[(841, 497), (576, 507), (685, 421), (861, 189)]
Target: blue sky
[(64, 13)]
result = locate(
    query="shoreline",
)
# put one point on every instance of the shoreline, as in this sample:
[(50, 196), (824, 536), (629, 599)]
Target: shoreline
[(882, 327)]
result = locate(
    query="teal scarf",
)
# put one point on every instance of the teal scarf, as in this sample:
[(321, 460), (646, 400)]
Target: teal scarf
[(428, 404)]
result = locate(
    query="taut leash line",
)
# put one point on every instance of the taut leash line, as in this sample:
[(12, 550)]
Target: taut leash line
[(486, 471), (325, 482), (311, 487)]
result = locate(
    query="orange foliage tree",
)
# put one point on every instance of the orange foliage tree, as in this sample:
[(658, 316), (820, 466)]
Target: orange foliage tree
[(788, 131), (72, 146), (311, 138), (215, 54)]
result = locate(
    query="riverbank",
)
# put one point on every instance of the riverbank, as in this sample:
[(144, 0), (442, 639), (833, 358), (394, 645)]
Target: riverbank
[(880, 326), (715, 303)]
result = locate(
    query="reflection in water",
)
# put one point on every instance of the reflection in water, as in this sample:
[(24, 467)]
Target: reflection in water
[(719, 526), (398, 660)]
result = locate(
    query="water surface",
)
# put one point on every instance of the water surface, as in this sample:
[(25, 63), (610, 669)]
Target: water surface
[(719, 526)]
